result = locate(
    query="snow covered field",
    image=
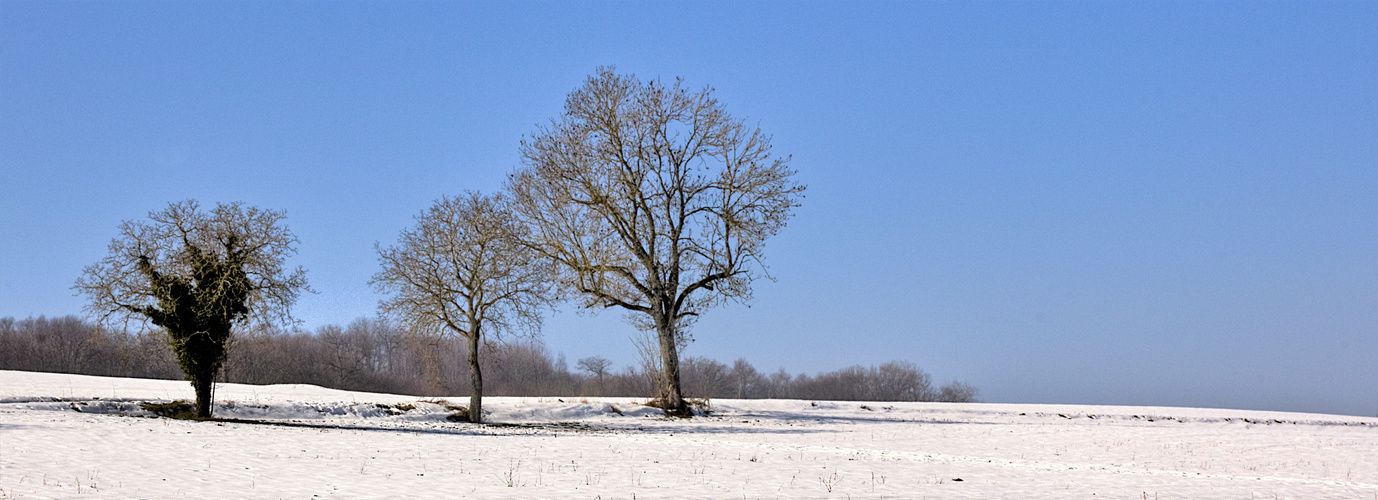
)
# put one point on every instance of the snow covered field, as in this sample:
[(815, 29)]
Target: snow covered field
[(66, 436)]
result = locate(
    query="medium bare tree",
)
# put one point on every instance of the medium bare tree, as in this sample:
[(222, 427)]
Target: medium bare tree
[(197, 274), (461, 270), (651, 198)]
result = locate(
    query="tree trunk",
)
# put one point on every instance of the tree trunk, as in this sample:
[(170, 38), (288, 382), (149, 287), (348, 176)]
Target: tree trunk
[(475, 380), (203, 395), (670, 395)]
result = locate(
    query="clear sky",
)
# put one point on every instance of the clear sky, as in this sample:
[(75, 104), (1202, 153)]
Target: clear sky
[(1099, 202)]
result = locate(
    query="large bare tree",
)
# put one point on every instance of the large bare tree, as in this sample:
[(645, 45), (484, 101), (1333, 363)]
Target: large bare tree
[(461, 270), (651, 198), (197, 274)]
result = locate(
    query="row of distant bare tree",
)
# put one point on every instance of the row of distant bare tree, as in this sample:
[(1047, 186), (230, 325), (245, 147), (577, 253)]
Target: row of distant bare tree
[(374, 355)]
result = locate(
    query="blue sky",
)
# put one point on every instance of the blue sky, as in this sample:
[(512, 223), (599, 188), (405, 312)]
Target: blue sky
[(1099, 202)]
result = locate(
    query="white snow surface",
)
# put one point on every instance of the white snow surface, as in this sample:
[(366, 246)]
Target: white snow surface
[(70, 436)]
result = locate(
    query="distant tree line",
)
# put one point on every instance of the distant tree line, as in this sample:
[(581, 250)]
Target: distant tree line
[(376, 356)]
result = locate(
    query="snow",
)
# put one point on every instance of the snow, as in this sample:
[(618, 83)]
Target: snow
[(63, 436)]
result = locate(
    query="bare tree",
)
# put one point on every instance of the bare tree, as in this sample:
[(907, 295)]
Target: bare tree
[(650, 356), (461, 270), (956, 392), (197, 274), (745, 380), (345, 355), (900, 381), (704, 378), (596, 366), (781, 385), (651, 198)]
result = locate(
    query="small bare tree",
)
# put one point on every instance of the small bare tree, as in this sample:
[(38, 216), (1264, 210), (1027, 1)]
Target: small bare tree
[(197, 274), (596, 366), (461, 270), (651, 198)]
